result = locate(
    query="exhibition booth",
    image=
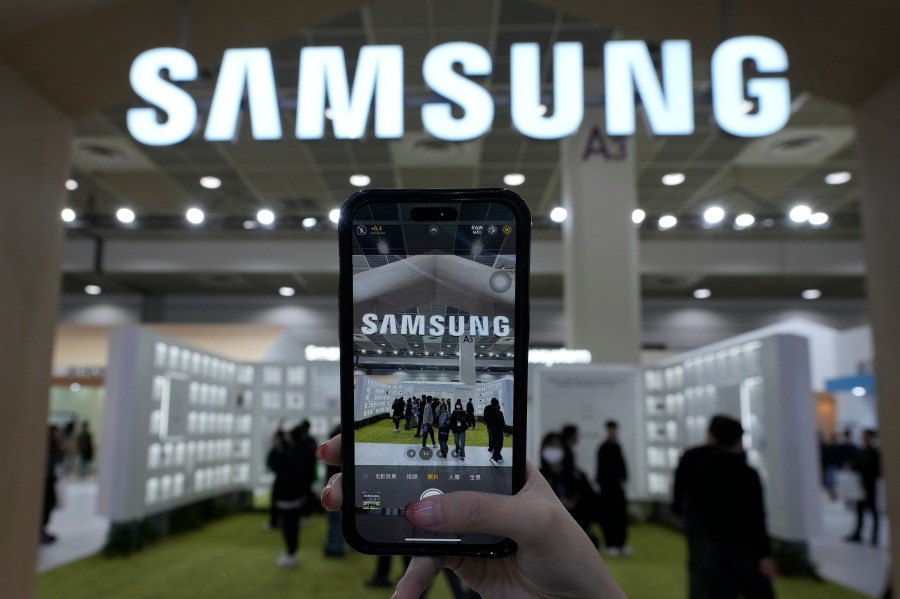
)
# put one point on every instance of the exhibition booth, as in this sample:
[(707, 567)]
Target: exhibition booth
[(181, 424)]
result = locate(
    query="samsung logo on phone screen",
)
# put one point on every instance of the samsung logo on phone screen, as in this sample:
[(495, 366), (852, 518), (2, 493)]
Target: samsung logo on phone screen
[(667, 97), (455, 326)]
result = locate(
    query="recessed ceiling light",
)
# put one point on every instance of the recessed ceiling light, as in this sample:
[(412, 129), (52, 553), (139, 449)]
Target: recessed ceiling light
[(74, 387), (800, 213), (514, 179), (265, 217), (286, 291), (93, 289), (817, 219), (380, 352), (858, 391), (210, 182), (329, 113), (125, 215), (747, 106), (638, 216), (667, 221), (702, 293), (251, 224), (71, 184), (335, 215), (195, 216), (742, 221), (360, 180), (673, 179), (713, 215), (838, 178), (811, 294), (68, 215), (558, 214), (542, 109), (309, 222)]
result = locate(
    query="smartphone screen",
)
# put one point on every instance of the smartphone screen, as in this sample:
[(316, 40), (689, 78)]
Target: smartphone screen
[(436, 340)]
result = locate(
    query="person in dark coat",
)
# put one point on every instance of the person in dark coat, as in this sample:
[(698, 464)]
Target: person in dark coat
[(408, 412), (398, 408), (731, 543), (428, 423), (868, 465), (569, 483), (496, 425), (692, 461), (470, 412), (55, 456), (294, 467), (85, 450), (459, 424), (612, 476)]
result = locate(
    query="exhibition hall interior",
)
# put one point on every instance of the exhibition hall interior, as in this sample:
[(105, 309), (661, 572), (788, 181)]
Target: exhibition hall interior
[(712, 270)]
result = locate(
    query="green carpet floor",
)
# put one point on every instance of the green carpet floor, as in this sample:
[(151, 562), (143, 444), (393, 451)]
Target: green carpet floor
[(234, 559), (383, 432)]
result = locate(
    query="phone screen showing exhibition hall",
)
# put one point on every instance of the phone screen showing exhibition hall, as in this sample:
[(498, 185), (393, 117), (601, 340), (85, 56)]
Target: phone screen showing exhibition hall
[(433, 308)]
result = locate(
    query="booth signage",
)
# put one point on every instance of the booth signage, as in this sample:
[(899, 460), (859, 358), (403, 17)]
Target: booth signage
[(667, 97)]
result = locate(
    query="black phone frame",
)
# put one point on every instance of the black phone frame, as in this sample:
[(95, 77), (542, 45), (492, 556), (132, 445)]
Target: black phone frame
[(522, 230)]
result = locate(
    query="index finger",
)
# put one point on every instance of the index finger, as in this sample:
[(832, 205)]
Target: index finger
[(330, 451)]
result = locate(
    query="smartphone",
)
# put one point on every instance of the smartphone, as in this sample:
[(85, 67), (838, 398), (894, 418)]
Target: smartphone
[(434, 358)]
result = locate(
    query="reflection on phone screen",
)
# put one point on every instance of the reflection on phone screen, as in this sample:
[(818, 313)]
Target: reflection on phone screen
[(433, 327)]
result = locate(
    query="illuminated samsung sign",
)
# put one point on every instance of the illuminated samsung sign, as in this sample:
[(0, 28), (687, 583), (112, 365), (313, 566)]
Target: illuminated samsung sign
[(377, 91)]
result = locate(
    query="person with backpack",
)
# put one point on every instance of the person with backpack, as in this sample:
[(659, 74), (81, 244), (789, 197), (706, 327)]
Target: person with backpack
[(443, 430), (459, 424)]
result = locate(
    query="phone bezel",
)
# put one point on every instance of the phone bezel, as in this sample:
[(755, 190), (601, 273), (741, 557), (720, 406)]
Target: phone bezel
[(347, 364)]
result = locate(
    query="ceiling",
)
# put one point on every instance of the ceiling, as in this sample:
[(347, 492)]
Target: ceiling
[(308, 179)]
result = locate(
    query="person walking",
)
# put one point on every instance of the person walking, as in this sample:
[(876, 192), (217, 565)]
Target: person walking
[(612, 476), (428, 424), (397, 409), (569, 483), (496, 425), (294, 467), (692, 462), (470, 413), (459, 424), (868, 466), (443, 431), (408, 412), (419, 408), (731, 546), (55, 456), (85, 450)]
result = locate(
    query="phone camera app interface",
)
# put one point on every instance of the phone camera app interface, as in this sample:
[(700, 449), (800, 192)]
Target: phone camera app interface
[(434, 306)]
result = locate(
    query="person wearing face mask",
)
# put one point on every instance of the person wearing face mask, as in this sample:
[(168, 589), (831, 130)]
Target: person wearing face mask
[(570, 484), (459, 424)]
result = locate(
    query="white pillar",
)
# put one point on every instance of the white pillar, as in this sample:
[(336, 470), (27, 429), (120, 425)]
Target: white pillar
[(34, 162), (600, 244), (467, 360), (878, 135)]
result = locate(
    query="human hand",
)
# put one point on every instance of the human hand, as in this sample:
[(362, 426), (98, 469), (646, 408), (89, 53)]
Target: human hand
[(555, 558)]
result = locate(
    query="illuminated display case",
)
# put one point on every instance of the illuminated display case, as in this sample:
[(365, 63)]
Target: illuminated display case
[(765, 384), (182, 425)]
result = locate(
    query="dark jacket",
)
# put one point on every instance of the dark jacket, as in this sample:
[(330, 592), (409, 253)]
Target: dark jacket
[(398, 407), (868, 464), (611, 468), (293, 468), (690, 463), (726, 499), (493, 417), (459, 422)]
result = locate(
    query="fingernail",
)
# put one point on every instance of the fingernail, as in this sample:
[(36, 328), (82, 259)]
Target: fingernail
[(422, 513), (320, 449), (326, 493)]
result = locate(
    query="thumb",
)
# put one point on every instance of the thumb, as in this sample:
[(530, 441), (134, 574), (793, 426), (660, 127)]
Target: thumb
[(468, 512)]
